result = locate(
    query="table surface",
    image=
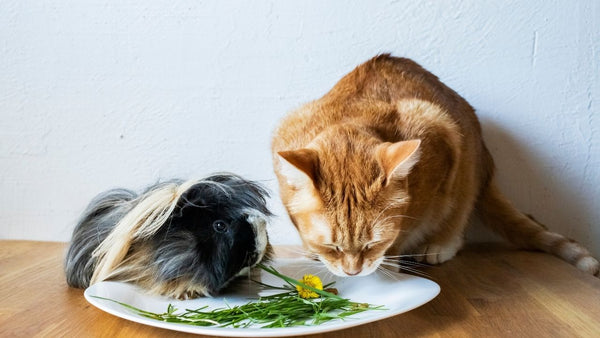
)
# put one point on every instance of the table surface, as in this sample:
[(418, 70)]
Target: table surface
[(486, 291)]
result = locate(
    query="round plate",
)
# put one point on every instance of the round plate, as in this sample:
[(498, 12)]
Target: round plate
[(397, 292)]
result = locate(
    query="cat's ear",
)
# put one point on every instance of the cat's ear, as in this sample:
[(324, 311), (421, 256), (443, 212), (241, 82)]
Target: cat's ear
[(298, 166), (397, 159)]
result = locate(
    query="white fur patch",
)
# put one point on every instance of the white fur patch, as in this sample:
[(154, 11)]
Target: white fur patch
[(294, 177), (333, 268), (259, 226), (319, 227), (370, 268), (569, 251), (366, 269), (588, 264), (142, 222), (303, 200)]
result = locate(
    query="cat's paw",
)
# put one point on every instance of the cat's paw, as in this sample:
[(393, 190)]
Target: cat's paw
[(435, 253), (589, 264)]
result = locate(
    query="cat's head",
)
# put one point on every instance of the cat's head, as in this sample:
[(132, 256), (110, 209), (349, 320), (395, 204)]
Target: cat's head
[(347, 199)]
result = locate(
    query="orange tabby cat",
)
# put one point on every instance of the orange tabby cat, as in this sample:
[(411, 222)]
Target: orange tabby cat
[(389, 162)]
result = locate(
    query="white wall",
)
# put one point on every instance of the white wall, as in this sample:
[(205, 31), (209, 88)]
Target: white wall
[(96, 94)]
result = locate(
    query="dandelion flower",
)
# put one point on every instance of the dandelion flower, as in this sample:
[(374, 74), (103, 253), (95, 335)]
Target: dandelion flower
[(312, 281)]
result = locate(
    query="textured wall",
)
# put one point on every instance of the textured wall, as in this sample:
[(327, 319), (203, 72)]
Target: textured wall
[(96, 94)]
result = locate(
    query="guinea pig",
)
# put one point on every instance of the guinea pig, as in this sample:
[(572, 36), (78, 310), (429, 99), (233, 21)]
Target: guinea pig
[(182, 239)]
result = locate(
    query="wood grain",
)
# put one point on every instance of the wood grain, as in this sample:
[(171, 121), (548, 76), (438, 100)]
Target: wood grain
[(487, 291)]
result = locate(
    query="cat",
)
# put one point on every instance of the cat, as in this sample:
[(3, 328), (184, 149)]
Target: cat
[(391, 162)]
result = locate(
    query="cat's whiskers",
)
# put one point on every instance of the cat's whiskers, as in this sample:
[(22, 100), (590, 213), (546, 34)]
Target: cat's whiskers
[(406, 262), (400, 264), (382, 212), (378, 222), (325, 275), (404, 257), (397, 261), (305, 261), (386, 272), (412, 255), (405, 268), (317, 269), (298, 251), (303, 270)]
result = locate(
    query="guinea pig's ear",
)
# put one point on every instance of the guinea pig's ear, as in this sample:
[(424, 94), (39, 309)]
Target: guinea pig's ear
[(190, 198)]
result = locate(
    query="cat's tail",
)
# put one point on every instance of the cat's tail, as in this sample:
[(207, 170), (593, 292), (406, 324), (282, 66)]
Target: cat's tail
[(525, 232)]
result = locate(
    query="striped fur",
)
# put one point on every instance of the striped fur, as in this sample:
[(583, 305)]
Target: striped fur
[(527, 233), (392, 162)]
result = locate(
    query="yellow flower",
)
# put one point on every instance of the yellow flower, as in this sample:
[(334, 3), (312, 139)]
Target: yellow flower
[(312, 281)]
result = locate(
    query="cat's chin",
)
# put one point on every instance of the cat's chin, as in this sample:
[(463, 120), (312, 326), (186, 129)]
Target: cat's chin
[(340, 273), (364, 272)]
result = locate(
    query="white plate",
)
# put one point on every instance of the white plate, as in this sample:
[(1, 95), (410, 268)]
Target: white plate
[(397, 292)]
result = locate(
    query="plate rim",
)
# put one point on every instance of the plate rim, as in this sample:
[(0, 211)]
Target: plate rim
[(102, 304)]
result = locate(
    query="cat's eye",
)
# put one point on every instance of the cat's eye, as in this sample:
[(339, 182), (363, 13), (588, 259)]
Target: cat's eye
[(220, 226), (333, 247), (370, 245)]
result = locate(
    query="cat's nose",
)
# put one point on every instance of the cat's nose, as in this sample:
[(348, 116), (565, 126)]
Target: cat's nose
[(353, 272)]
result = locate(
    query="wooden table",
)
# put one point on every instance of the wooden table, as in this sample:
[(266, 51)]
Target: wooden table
[(487, 291)]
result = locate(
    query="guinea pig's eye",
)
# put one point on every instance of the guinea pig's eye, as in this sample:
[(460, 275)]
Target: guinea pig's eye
[(220, 226)]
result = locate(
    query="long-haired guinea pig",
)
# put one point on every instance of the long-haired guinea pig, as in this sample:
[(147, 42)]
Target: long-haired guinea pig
[(181, 239)]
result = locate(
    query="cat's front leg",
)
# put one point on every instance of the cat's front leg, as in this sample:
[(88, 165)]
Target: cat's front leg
[(443, 244), (436, 252)]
